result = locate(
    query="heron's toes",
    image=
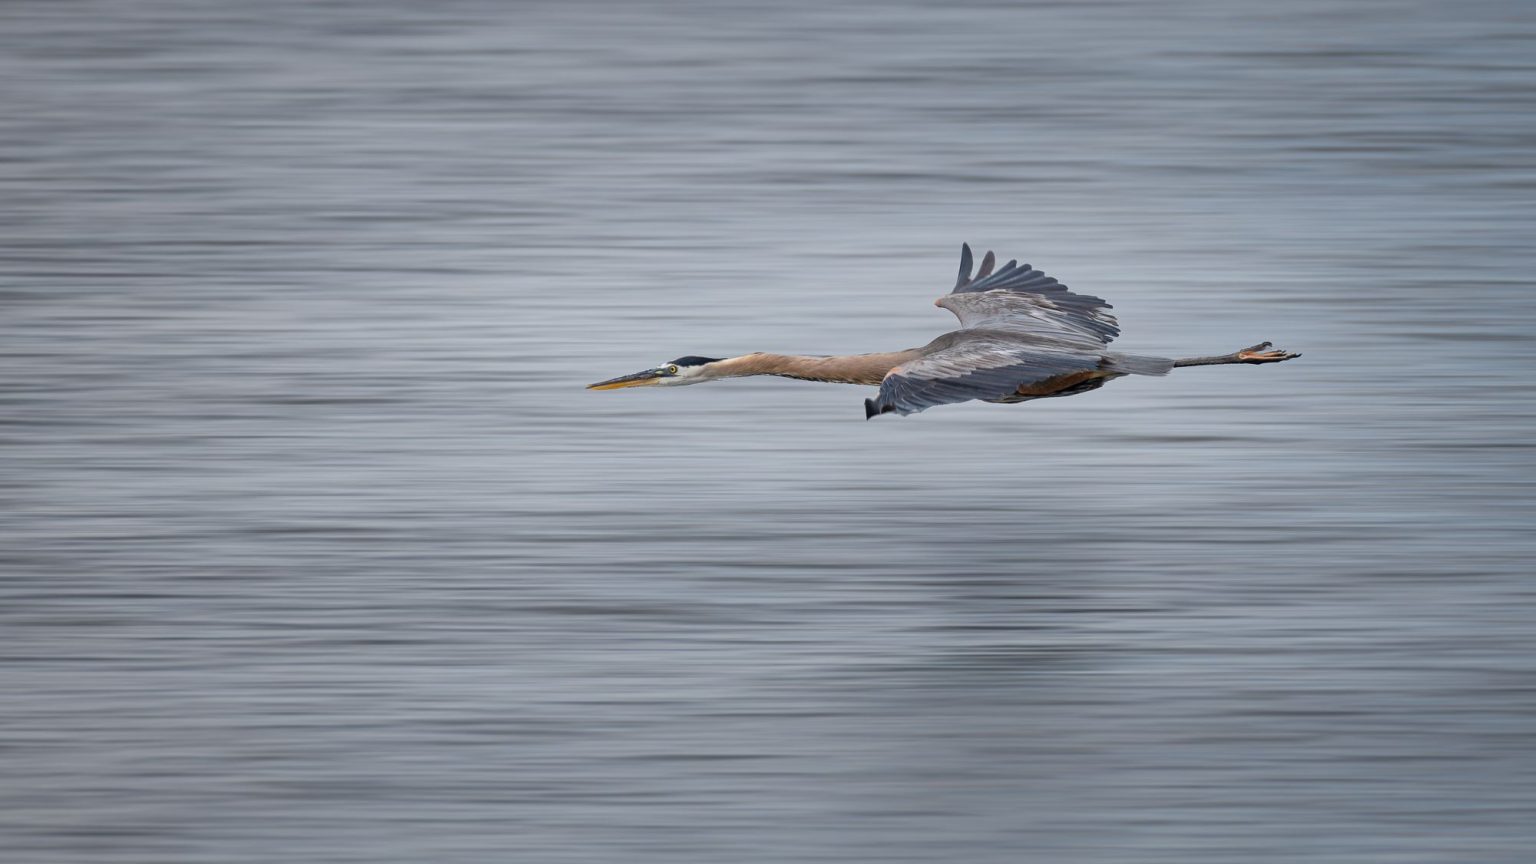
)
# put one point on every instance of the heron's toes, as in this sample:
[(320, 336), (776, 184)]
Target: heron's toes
[(1258, 354)]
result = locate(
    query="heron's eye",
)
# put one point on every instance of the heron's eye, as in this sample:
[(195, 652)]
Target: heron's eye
[(671, 370)]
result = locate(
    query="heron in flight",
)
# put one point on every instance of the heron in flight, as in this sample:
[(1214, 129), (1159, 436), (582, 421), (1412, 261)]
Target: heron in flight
[(1022, 336)]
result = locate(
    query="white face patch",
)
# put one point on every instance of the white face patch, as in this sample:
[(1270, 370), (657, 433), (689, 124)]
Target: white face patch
[(685, 374)]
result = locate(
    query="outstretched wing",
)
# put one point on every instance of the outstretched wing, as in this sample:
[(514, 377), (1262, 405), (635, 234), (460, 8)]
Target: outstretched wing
[(966, 365), (1020, 299), (1023, 335)]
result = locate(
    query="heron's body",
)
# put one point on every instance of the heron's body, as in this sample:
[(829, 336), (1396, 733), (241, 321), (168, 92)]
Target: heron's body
[(1023, 336)]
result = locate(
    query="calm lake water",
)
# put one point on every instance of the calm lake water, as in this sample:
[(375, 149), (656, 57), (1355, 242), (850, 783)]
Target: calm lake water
[(314, 548)]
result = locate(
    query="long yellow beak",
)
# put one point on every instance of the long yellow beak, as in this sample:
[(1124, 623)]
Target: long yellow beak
[(639, 379)]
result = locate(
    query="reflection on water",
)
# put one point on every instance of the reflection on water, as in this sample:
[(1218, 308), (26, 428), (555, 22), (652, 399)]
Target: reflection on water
[(315, 549)]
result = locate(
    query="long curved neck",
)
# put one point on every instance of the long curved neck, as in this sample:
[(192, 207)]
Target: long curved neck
[(838, 369)]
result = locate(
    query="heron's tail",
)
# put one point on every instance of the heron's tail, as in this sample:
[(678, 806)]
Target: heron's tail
[(1137, 364)]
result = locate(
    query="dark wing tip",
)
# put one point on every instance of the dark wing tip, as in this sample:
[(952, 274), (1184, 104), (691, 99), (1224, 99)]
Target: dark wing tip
[(987, 261), (965, 265)]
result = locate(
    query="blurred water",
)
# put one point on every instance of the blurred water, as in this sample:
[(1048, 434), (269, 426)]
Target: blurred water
[(315, 550)]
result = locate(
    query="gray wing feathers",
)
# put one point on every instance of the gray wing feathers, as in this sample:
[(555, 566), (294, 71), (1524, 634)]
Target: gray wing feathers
[(965, 278), (972, 367), (986, 266), (1023, 299), (1019, 328), (965, 267), (1014, 278)]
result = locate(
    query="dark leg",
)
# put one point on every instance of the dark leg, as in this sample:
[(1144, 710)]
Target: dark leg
[(1255, 354)]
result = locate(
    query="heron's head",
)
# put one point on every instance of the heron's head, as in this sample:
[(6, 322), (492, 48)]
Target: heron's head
[(683, 370)]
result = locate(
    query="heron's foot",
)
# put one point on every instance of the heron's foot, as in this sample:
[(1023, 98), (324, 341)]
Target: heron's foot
[(1259, 354)]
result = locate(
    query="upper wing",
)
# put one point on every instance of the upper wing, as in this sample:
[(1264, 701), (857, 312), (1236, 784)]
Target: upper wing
[(966, 365), (1025, 301)]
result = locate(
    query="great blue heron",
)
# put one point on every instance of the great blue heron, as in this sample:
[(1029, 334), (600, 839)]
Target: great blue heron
[(1022, 336)]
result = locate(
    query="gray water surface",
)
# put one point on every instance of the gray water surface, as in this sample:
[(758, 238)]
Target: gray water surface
[(314, 549)]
